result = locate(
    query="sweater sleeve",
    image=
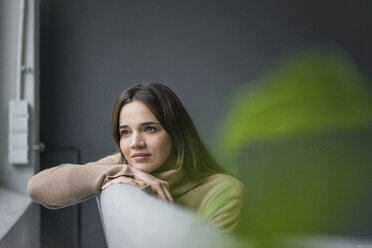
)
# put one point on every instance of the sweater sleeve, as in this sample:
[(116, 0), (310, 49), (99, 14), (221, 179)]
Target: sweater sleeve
[(68, 184)]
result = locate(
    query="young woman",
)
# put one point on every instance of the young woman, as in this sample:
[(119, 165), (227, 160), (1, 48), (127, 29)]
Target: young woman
[(160, 152)]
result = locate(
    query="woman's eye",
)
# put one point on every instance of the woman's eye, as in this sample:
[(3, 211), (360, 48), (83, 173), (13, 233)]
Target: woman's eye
[(150, 129), (124, 132)]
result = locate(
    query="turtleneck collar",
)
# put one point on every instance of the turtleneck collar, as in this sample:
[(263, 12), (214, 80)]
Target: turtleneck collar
[(178, 182)]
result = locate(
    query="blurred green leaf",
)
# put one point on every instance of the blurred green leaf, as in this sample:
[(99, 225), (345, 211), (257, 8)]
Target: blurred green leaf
[(307, 93)]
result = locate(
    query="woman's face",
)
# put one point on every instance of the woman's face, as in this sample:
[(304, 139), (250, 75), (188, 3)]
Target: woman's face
[(143, 141)]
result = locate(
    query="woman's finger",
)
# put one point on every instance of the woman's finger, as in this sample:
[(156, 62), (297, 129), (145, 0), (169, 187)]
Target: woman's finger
[(158, 189), (167, 193)]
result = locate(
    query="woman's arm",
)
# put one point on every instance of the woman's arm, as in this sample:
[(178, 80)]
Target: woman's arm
[(68, 184)]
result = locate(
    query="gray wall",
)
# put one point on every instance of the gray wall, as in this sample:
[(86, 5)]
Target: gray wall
[(203, 50)]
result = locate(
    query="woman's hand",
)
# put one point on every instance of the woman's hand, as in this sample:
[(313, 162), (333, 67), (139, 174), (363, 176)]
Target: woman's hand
[(124, 180), (160, 187)]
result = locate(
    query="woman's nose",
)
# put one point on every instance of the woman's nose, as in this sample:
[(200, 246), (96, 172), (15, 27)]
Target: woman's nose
[(137, 141)]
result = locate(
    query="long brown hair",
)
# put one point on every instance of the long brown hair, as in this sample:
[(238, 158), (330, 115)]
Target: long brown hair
[(190, 151)]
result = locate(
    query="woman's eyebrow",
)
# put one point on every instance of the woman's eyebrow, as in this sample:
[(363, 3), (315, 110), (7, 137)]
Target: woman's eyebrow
[(149, 123), (142, 124)]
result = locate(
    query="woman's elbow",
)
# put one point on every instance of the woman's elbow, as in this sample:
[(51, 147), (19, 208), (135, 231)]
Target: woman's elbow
[(38, 191), (33, 188)]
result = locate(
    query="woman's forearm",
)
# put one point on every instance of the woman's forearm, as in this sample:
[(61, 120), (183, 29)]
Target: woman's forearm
[(69, 184)]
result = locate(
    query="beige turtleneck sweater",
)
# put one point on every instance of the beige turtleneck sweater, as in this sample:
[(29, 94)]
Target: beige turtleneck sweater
[(217, 198)]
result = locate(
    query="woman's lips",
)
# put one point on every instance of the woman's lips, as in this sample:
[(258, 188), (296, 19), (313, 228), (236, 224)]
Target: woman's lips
[(140, 156)]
